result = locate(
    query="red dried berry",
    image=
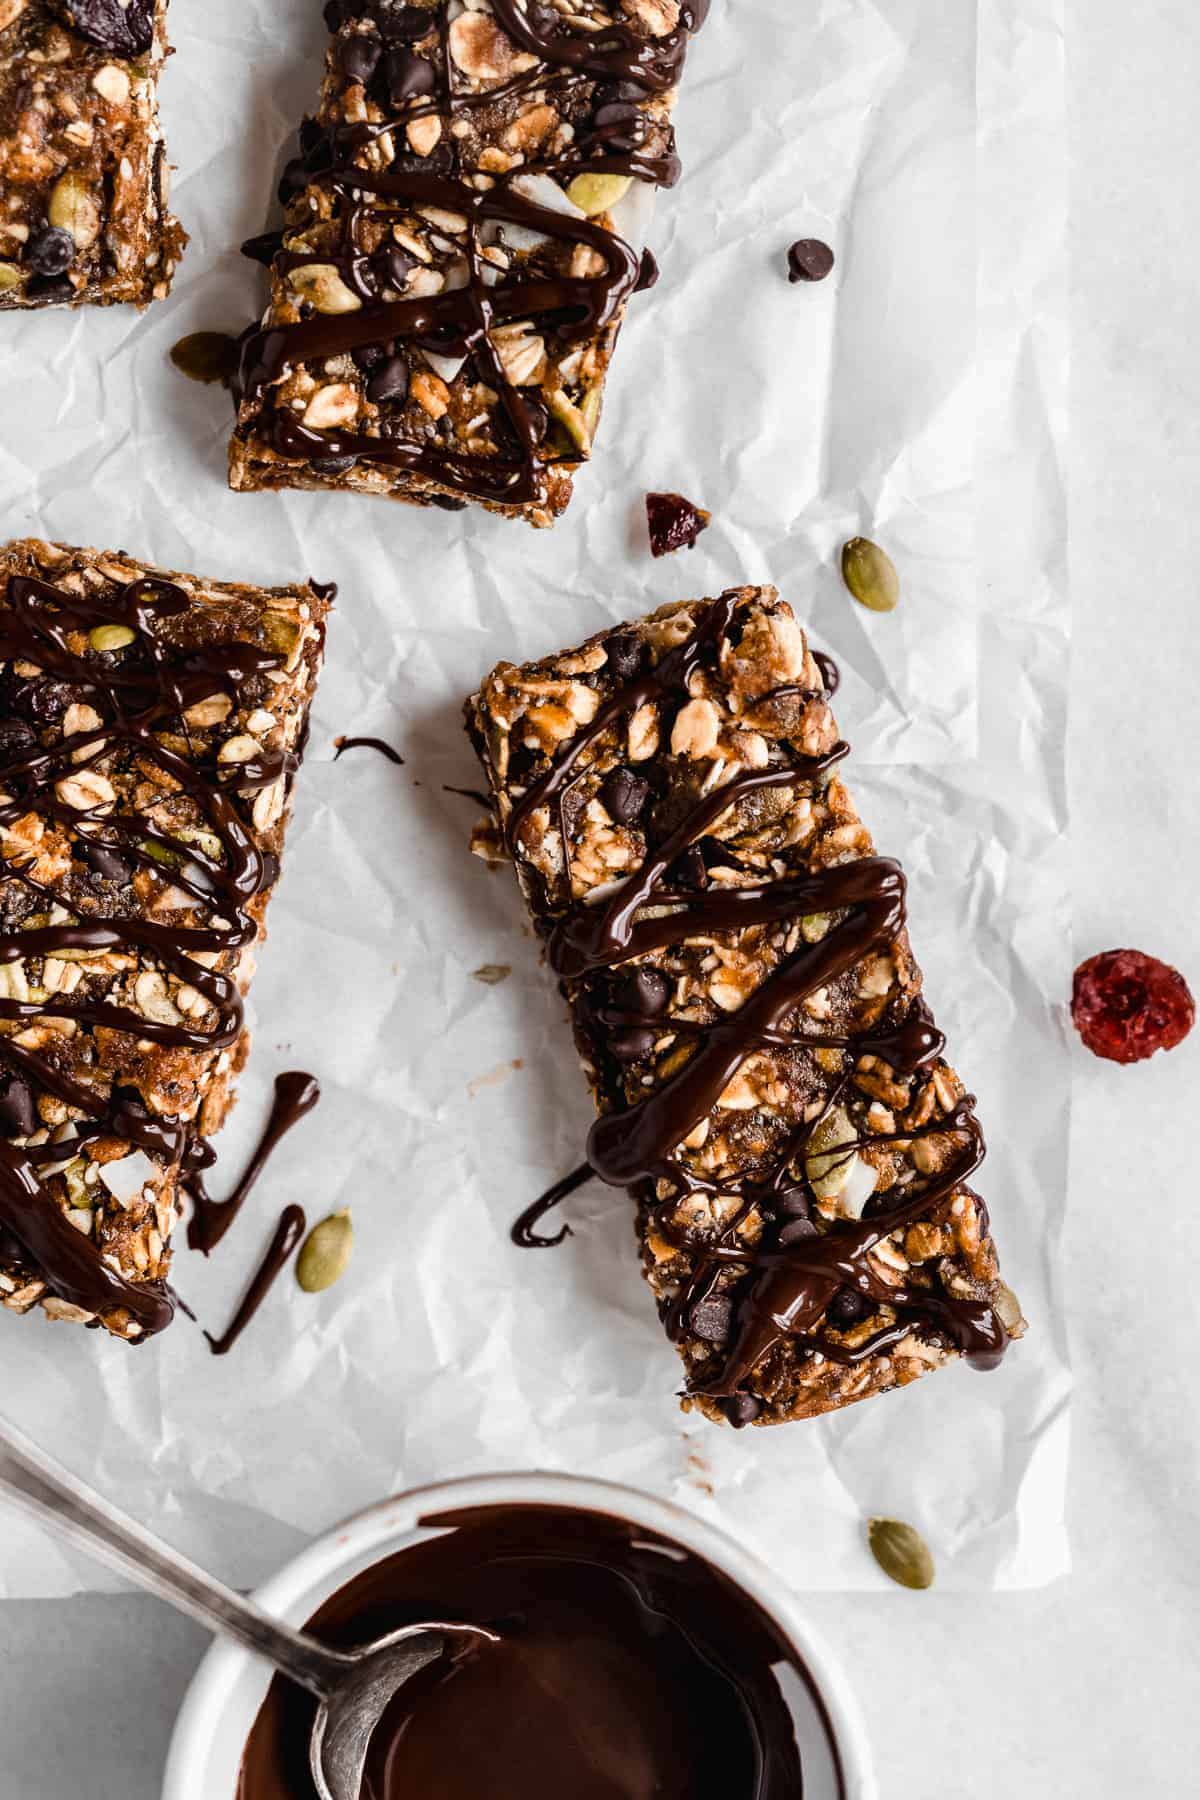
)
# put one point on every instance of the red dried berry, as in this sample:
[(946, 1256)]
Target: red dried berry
[(674, 522), (1126, 1005)]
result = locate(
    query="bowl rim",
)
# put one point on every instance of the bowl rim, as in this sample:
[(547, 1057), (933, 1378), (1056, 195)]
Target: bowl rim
[(288, 1594)]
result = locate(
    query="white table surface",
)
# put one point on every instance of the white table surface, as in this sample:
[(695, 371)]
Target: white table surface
[(1087, 1688)]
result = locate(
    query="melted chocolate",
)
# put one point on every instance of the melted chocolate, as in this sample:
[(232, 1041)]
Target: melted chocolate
[(342, 744), (288, 1233), (627, 1668), (137, 695), (523, 1233), (792, 1275), (458, 322), (296, 1093)]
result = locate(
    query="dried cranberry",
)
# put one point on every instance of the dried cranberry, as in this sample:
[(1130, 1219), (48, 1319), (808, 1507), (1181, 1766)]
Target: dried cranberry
[(118, 27), (1126, 1005), (16, 741), (675, 523)]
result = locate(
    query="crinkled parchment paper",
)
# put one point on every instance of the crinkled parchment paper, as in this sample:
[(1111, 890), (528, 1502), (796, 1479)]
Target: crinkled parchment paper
[(917, 395)]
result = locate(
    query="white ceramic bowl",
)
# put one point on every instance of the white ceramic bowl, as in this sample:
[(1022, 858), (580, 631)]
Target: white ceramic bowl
[(230, 1685)]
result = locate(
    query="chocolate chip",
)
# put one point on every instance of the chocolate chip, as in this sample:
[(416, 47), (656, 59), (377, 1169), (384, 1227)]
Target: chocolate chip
[(644, 992), (848, 1307), (809, 260), (332, 465), (741, 1409), (401, 22), (51, 252), (795, 1232), (408, 76), (631, 1046), (18, 1114), (293, 181), (794, 1203), (647, 274), (394, 265), (358, 56), (447, 502), (51, 290), (624, 795), (264, 248), (10, 1246), (674, 522), (539, 417), (390, 380), (103, 860), (118, 27), (712, 1320), (625, 654)]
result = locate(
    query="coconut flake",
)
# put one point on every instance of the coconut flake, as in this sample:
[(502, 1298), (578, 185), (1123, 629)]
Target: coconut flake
[(126, 1179)]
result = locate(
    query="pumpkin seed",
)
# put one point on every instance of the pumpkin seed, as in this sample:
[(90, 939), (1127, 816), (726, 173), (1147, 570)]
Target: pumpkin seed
[(572, 420), (492, 974), (110, 637), (206, 356), (870, 574), (901, 1552), (325, 1254), (598, 193), (10, 277)]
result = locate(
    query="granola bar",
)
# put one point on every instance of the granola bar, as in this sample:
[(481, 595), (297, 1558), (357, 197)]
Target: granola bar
[(769, 1080), (151, 725), (454, 267), (83, 173)]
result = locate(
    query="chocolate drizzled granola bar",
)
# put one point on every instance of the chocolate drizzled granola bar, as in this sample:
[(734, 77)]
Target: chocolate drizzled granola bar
[(454, 270), (770, 1082), (151, 725), (83, 172)]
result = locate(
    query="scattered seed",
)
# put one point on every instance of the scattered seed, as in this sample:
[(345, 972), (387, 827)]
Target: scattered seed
[(870, 574), (901, 1553), (492, 974), (206, 356), (110, 637), (325, 1255)]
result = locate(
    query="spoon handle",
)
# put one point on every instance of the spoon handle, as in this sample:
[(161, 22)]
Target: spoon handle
[(39, 1486)]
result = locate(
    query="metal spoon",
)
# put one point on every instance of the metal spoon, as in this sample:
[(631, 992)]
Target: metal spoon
[(352, 1686)]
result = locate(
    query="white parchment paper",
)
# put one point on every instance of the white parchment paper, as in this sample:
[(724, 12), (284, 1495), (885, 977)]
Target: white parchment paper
[(917, 395)]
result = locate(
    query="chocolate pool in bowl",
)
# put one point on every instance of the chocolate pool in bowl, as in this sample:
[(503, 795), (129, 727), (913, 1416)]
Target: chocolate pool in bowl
[(642, 1655)]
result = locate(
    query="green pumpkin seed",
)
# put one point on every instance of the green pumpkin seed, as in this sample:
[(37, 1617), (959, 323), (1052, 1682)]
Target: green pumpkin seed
[(110, 637), (10, 277), (206, 356), (870, 574), (598, 193), (901, 1553), (492, 974), (325, 1254)]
